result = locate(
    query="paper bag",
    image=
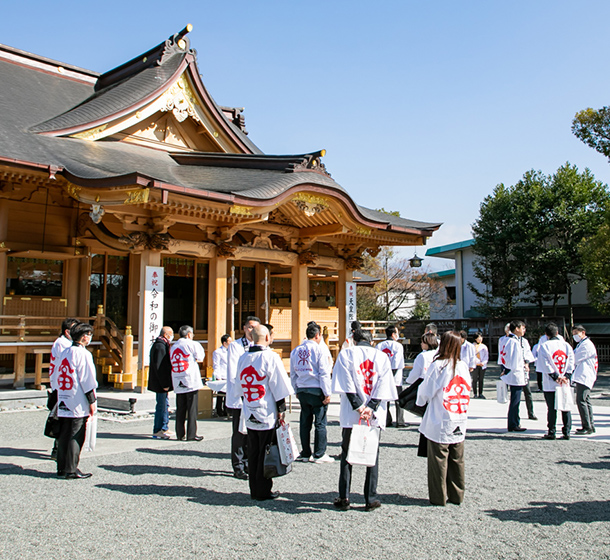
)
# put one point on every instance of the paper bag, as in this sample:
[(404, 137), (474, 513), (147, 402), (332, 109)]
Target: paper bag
[(285, 440), (363, 445), (501, 392)]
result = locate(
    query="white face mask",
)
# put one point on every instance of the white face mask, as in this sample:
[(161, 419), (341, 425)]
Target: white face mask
[(171, 338), (577, 337)]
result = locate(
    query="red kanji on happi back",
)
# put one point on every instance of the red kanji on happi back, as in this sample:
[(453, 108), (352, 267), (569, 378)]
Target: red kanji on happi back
[(456, 396), (388, 352), (367, 370), (179, 361), (252, 391), (560, 359), (65, 382)]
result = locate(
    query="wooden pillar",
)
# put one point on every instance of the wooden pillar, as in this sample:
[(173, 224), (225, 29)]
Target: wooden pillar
[(217, 304), (3, 257), (300, 303), (344, 277), (147, 258)]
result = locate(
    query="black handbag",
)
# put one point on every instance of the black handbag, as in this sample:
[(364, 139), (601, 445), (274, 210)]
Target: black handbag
[(408, 397), (273, 466), (51, 428)]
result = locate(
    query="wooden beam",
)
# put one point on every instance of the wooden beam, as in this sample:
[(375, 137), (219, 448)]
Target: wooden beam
[(318, 231)]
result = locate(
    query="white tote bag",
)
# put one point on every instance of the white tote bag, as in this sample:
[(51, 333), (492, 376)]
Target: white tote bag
[(564, 401), (501, 392), (90, 433), (363, 445), (285, 441)]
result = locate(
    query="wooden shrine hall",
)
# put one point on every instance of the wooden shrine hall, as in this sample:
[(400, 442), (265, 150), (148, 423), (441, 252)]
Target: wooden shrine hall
[(103, 175)]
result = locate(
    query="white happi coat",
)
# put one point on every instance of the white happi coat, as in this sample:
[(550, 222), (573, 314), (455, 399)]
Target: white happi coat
[(219, 362), (447, 392), (396, 354), (186, 375), (420, 365), (236, 349), (326, 351), (468, 355), (514, 361), (59, 347), (585, 363), (310, 368), (501, 356), (261, 381), (75, 376), (481, 355), (555, 356), (366, 372)]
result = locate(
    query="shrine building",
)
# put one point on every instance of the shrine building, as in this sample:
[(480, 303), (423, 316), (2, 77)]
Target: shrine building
[(103, 175)]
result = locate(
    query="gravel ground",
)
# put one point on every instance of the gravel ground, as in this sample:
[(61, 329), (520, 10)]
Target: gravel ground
[(525, 498)]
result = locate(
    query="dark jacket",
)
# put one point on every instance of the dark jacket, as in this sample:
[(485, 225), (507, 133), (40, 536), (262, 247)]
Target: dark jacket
[(160, 369)]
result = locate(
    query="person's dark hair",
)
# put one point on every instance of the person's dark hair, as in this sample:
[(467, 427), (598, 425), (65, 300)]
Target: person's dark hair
[(67, 324), (463, 335), (478, 334), (360, 336), (269, 327), (224, 338), (551, 330), (312, 331), (516, 324), (79, 330), (390, 330), (356, 326), (184, 330), (430, 340), (579, 328), (450, 348), (251, 318), (311, 323), (431, 327)]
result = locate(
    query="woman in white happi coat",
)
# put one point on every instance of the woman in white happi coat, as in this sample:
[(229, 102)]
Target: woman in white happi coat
[(446, 391), (429, 346), (481, 359), (363, 377), (75, 379), (396, 354), (185, 356), (219, 362), (585, 374)]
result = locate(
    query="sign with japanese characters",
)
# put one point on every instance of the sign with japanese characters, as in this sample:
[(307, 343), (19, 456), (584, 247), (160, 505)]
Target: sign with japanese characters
[(350, 307), (153, 309)]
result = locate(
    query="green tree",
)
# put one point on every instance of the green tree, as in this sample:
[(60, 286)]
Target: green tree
[(595, 252), (592, 126)]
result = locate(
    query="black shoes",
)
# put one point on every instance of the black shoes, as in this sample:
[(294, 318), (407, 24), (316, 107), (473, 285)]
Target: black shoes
[(533, 417), (61, 474), (196, 438), (242, 475), (549, 436), (78, 474), (372, 505), (342, 504), (271, 496), (585, 431), (517, 429), (565, 436)]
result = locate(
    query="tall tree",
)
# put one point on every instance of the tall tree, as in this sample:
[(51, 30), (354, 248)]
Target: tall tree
[(592, 126), (595, 252)]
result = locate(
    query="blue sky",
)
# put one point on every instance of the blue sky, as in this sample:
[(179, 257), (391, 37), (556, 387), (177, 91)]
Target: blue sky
[(423, 107)]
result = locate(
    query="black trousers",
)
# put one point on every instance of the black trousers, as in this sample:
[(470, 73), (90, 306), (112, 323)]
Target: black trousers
[(239, 443), (345, 472), (186, 409), (529, 401), (221, 408), (551, 416), (477, 381), (70, 443), (260, 487)]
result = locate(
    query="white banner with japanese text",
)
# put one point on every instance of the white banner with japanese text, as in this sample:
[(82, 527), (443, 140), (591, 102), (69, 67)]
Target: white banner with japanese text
[(350, 307), (153, 309)]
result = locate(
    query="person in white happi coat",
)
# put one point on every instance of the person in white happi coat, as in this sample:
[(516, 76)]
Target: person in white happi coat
[(363, 377), (514, 372), (585, 374), (429, 346), (396, 354), (446, 391), (263, 384), (323, 346), (239, 441), (62, 342), (185, 356), (219, 362), (467, 353), (556, 359), (75, 379), (481, 358), (310, 377), (501, 344)]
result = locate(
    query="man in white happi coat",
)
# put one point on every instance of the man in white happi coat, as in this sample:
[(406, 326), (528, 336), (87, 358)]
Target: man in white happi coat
[(585, 374), (516, 355), (467, 352), (396, 354), (310, 377), (75, 379), (501, 344), (219, 362), (239, 441), (263, 384), (363, 377), (556, 361), (185, 356), (62, 342)]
